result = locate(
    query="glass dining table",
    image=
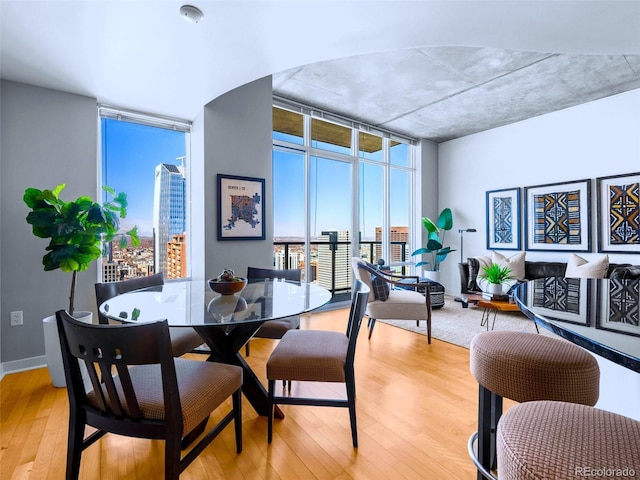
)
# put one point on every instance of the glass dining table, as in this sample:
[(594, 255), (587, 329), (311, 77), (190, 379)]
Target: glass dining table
[(600, 315), (225, 322)]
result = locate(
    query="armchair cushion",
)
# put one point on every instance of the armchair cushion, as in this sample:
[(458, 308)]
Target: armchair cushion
[(380, 287)]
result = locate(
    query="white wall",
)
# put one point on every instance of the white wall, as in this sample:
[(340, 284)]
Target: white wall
[(591, 140)]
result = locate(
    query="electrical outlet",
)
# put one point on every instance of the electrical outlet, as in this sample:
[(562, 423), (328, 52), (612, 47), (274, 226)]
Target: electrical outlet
[(16, 318)]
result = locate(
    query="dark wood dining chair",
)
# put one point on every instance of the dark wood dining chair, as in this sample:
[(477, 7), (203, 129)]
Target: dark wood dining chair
[(274, 329), (141, 390), (183, 339), (319, 356)]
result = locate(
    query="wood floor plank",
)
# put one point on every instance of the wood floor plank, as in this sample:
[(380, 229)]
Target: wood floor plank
[(416, 408)]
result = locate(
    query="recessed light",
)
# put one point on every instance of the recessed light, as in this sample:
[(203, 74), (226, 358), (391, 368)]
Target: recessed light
[(191, 14)]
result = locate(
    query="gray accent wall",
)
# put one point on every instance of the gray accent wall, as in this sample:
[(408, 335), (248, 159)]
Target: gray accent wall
[(48, 137)]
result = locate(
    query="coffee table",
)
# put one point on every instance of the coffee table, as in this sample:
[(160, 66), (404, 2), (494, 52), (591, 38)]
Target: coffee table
[(491, 306)]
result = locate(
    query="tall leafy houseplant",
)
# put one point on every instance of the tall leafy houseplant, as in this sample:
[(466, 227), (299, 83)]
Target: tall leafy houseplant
[(77, 230), (435, 242)]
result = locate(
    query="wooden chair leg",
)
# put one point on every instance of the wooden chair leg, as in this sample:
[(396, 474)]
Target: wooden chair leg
[(372, 323), (246, 349), (237, 418), (172, 457), (351, 400), (74, 446), (271, 394)]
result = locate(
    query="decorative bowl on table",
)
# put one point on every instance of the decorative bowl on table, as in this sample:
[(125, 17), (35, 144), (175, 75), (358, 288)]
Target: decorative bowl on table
[(227, 283), (227, 288)]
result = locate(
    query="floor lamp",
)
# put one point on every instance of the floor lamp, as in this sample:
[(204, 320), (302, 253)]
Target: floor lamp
[(461, 232)]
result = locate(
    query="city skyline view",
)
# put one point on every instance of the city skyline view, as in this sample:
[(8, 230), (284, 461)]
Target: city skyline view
[(130, 154)]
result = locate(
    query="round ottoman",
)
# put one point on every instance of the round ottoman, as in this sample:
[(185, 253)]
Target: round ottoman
[(559, 440), (524, 367)]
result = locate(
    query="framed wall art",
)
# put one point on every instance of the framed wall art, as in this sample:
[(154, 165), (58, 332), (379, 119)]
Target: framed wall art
[(563, 299), (557, 217), (240, 208), (503, 219), (618, 304), (619, 213)]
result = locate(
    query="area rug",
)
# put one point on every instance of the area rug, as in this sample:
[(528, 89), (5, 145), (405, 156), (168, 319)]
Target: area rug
[(457, 325)]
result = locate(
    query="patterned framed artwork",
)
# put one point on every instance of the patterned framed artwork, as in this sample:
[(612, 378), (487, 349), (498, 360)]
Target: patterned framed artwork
[(503, 219), (558, 217), (563, 299), (619, 307), (240, 208), (619, 213)]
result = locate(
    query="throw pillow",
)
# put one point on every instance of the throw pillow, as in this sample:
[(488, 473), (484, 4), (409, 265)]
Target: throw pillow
[(380, 288), (476, 264), (515, 263), (578, 267)]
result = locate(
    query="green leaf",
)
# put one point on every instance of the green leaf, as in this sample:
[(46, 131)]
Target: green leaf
[(445, 220), (429, 226)]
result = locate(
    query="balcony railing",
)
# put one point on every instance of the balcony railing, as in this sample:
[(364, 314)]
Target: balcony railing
[(330, 263)]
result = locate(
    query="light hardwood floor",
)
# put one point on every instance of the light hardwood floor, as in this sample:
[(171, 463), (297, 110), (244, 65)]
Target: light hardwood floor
[(416, 408)]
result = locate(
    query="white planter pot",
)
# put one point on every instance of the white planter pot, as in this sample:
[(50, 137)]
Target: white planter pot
[(52, 348), (494, 288), (431, 275)]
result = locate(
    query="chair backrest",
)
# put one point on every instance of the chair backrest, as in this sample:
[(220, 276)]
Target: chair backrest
[(107, 351), (362, 272), (254, 274), (105, 291), (359, 299)]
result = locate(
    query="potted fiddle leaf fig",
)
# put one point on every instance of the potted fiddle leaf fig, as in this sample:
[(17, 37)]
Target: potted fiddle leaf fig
[(77, 230), (435, 240)]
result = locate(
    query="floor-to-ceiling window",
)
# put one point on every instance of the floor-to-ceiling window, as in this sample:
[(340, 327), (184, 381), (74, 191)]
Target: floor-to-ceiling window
[(340, 189), (148, 159)]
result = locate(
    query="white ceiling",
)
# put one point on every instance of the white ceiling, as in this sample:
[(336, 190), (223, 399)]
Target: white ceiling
[(141, 55)]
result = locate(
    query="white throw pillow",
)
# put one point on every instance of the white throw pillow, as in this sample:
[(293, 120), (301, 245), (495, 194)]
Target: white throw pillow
[(515, 263), (578, 267)]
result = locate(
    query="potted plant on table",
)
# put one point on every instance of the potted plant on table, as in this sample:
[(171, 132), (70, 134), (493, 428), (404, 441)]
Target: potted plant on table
[(435, 242), (77, 231), (495, 275)]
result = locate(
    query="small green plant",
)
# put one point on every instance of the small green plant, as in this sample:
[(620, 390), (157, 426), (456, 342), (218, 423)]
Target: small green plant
[(77, 229), (496, 273), (434, 241)]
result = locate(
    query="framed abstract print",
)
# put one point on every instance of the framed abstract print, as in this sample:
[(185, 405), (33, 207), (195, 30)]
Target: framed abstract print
[(558, 217), (619, 213), (503, 219), (619, 307), (562, 299), (240, 208)]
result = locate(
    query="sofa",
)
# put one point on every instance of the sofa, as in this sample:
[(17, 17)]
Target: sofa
[(469, 272)]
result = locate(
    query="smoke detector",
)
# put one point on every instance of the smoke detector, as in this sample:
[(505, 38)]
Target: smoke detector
[(191, 14)]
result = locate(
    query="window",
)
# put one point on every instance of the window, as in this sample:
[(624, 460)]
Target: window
[(147, 158), (340, 189)]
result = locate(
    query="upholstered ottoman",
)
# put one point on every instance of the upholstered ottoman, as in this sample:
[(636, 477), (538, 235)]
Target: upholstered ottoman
[(559, 440), (524, 367)]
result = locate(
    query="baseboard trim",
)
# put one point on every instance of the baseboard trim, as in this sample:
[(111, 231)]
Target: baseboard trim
[(21, 365)]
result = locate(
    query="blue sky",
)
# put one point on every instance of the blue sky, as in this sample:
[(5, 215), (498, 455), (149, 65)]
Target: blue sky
[(132, 152)]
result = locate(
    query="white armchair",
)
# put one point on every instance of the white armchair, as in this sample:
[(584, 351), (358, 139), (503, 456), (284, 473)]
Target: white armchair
[(393, 297)]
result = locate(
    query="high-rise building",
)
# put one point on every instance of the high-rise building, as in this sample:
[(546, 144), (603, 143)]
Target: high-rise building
[(169, 210), (397, 234), (334, 258), (177, 257)]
